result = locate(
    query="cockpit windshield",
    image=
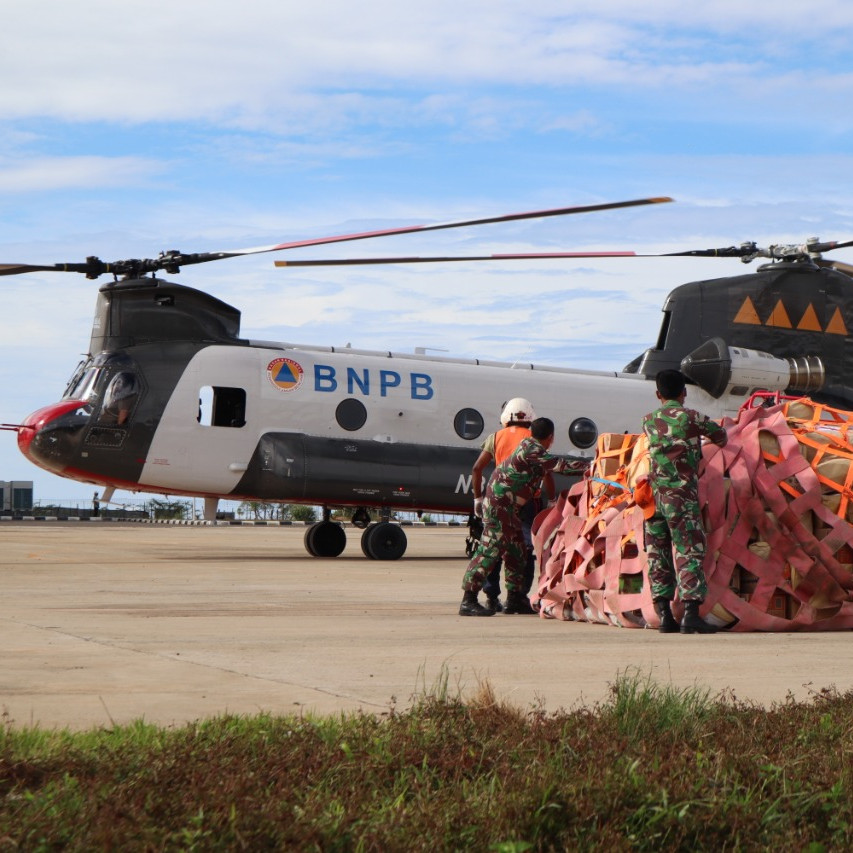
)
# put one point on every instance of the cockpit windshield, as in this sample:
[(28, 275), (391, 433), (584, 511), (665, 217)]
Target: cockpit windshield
[(82, 384)]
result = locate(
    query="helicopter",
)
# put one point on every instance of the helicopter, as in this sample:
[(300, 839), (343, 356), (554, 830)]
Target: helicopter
[(170, 399)]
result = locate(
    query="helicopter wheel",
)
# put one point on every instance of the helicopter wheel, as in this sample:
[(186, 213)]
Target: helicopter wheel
[(325, 539), (366, 536), (384, 541)]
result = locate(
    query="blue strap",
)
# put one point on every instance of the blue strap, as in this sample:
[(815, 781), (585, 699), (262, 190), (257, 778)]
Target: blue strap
[(610, 483)]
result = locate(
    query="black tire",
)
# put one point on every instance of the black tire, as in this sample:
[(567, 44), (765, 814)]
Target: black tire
[(325, 539), (386, 541), (366, 536), (309, 539)]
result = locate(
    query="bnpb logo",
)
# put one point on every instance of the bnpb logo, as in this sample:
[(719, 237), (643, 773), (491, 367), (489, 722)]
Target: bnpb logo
[(285, 373)]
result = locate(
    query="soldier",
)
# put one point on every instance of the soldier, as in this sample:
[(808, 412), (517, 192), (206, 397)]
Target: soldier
[(674, 435), (511, 487), (516, 417)]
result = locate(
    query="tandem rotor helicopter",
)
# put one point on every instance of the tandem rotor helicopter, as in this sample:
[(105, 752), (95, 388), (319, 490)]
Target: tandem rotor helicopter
[(171, 400)]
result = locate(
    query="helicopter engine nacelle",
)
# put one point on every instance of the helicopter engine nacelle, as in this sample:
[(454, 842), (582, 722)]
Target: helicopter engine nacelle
[(720, 369)]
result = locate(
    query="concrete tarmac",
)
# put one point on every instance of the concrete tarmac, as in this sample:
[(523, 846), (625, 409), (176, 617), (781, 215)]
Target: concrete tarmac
[(105, 623)]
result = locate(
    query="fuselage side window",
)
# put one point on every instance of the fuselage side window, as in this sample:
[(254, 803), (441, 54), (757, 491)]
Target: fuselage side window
[(221, 407), (468, 424), (583, 432), (351, 414)]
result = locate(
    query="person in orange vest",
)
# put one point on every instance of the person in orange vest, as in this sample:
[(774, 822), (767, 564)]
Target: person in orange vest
[(511, 488), (516, 417)]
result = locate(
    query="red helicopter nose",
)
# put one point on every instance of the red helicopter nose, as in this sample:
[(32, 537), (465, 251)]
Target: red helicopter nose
[(38, 424)]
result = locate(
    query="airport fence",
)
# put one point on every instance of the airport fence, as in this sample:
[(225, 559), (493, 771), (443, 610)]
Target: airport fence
[(192, 509)]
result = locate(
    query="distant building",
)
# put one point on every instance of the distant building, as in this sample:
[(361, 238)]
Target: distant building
[(17, 495)]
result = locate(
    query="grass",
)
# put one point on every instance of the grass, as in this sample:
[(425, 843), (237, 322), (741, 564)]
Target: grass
[(652, 768)]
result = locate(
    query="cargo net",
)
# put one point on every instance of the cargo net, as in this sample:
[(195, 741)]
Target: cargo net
[(776, 504)]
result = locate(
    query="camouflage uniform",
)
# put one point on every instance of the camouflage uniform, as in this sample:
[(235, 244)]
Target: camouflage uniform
[(498, 450), (674, 451), (513, 484)]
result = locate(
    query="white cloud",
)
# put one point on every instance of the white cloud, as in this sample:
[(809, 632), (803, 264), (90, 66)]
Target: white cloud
[(79, 172), (254, 62)]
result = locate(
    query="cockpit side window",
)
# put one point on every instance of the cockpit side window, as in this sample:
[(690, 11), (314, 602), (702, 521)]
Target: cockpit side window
[(120, 399), (222, 407)]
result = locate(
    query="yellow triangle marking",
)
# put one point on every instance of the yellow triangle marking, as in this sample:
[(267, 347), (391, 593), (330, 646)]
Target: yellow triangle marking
[(747, 314), (779, 317), (809, 321), (836, 324)]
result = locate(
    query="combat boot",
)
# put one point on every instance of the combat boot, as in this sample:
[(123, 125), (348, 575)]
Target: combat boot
[(668, 623), (494, 604), (471, 607), (518, 602), (692, 622)]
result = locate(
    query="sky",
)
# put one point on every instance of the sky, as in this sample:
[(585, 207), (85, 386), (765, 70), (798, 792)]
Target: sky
[(135, 127)]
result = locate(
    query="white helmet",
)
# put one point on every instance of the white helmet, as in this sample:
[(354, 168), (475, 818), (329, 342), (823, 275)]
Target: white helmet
[(518, 409)]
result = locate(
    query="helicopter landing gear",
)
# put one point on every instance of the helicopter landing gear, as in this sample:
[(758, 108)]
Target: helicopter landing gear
[(384, 541), (325, 538), (380, 540)]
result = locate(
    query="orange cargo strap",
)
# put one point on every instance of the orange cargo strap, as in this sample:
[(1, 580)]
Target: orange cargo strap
[(779, 546)]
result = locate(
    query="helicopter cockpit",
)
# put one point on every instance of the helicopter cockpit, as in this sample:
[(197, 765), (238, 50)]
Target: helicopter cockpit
[(107, 382)]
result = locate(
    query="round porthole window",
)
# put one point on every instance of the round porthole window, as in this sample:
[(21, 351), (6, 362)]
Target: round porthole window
[(468, 424), (583, 432), (350, 414)]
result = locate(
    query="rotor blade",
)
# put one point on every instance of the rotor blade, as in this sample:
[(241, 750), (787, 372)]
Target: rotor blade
[(836, 265), (171, 261), (18, 269), (180, 259), (92, 267), (750, 251), (727, 252), (461, 223), (828, 246), (518, 256)]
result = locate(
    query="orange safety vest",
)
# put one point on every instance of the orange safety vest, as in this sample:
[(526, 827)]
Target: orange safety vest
[(506, 440)]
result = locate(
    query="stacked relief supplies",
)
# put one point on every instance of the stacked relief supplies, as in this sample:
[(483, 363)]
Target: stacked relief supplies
[(777, 505)]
